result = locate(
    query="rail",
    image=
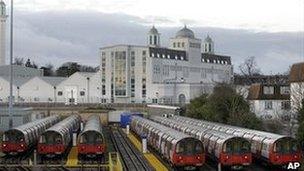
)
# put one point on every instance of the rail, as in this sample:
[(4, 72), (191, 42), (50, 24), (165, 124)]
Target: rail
[(132, 158)]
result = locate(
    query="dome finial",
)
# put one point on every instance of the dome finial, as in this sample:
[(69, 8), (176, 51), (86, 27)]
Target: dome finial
[(185, 33)]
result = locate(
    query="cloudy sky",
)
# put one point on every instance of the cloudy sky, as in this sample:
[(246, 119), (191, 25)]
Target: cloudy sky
[(56, 31)]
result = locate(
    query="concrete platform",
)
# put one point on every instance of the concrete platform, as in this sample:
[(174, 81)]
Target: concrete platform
[(153, 160), (72, 158)]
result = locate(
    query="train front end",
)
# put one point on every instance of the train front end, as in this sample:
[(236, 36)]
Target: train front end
[(14, 142), (284, 151), (91, 143), (236, 153), (50, 144), (189, 153)]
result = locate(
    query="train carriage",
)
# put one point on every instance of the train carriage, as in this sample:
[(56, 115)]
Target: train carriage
[(273, 148), (179, 149), (228, 150), (91, 141), (55, 140), (22, 138)]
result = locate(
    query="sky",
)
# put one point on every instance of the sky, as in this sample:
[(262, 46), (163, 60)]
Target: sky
[(57, 31)]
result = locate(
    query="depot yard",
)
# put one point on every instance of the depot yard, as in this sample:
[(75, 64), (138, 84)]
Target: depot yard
[(124, 150)]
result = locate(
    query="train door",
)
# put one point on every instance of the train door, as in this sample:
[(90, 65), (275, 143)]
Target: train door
[(71, 94)]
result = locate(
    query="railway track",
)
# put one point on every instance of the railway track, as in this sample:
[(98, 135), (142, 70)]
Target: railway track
[(132, 159)]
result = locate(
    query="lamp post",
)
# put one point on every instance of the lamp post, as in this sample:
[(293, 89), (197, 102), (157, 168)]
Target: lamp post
[(10, 107)]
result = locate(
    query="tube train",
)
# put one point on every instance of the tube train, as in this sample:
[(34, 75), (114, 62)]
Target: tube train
[(227, 149), (273, 148), (91, 141), (56, 140), (22, 138), (179, 149)]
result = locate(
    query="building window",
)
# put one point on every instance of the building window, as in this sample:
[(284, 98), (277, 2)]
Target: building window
[(285, 90), (268, 104), (120, 80), (158, 55), (285, 105), (154, 100), (144, 53), (59, 93), (144, 93), (183, 44), (82, 93), (174, 45), (103, 90), (268, 89), (178, 44)]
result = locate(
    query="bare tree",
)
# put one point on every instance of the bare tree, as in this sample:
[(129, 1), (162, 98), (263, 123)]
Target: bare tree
[(249, 67), (19, 61)]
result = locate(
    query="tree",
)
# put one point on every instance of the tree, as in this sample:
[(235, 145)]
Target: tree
[(18, 61), (48, 70), (300, 133), (30, 64), (68, 69), (249, 67), (223, 105)]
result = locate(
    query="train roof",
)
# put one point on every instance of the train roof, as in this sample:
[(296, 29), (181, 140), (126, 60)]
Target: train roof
[(221, 135), (262, 134), (62, 124), (29, 125), (166, 130), (163, 107), (93, 124)]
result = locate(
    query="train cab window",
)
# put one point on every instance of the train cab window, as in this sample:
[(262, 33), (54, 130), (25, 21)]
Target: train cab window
[(284, 146), (180, 148)]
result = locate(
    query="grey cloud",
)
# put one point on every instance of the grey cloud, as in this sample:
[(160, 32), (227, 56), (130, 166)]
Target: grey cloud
[(57, 37)]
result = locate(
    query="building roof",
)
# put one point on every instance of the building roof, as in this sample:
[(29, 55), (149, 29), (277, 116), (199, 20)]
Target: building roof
[(167, 53), (208, 39), (256, 92), (53, 80), (17, 81), (260, 79), (213, 58), (87, 74), (153, 30), (185, 33), (297, 72), (20, 71)]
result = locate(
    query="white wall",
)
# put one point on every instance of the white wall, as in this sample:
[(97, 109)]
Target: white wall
[(258, 107), (37, 90), (4, 90)]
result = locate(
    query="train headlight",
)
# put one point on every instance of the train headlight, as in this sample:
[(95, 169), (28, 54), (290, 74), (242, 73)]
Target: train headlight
[(245, 157), (227, 157), (3, 145), (180, 157), (21, 145), (295, 156), (277, 156)]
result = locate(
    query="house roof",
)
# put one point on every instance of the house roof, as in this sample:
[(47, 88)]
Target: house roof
[(256, 92), (17, 81), (87, 74), (297, 72), (53, 80), (260, 79)]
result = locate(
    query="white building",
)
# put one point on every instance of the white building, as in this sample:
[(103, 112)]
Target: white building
[(296, 78), (40, 89), (156, 74), (81, 87), (5, 87), (270, 101), (3, 17)]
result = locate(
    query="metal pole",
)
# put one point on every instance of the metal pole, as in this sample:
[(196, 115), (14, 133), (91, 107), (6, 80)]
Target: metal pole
[(175, 81), (10, 108)]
